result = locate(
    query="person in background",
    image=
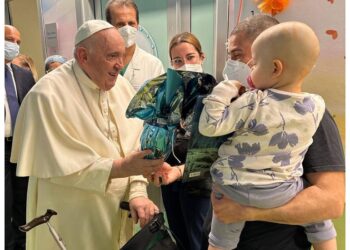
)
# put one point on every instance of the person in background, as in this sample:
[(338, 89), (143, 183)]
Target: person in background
[(260, 164), (18, 82), (80, 151), (186, 204), (53, 62), (139, 65), (27, 63), (324, 166)]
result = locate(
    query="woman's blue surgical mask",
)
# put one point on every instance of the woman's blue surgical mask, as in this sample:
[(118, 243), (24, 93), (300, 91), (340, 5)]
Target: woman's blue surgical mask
[(129, 35), (236, 70), (191, 67), (11, 50)]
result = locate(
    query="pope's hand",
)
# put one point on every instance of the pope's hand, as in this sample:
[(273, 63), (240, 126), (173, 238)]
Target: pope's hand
[(135, 164), (142, 210)]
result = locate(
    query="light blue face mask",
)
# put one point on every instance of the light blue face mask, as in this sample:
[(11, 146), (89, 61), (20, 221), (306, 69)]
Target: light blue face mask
[(11, 50)]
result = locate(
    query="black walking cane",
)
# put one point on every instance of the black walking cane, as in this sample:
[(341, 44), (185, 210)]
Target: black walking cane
[(41, 220)]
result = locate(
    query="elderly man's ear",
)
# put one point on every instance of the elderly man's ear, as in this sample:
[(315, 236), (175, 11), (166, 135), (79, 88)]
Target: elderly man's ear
[(81, 54)]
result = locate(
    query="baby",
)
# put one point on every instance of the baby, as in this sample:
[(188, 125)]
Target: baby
[(261, 164)]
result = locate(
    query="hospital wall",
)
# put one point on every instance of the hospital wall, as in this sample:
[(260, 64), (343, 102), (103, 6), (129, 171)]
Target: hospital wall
[(25, 17), (328, 79)]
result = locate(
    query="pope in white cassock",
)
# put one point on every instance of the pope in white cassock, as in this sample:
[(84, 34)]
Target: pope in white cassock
[(72, 138)]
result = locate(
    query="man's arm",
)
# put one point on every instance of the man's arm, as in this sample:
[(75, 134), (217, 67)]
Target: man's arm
[(323, 200)]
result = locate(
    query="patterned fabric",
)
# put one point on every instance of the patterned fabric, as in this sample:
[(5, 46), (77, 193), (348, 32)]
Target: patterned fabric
[(163, 103), (272, 131)]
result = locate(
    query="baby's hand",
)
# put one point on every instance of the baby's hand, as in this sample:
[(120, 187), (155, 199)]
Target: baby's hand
[(226, 90)]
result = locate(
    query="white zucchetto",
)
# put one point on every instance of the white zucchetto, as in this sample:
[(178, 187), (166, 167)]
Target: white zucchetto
[(89, 28)]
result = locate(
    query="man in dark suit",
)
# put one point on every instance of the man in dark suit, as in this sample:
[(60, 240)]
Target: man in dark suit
[(18, 82)]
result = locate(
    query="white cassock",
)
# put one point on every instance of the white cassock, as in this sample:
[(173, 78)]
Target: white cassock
[(68, 133)]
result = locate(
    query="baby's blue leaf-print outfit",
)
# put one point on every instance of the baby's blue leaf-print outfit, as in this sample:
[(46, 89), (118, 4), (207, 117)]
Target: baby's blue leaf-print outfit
[(272, 131)]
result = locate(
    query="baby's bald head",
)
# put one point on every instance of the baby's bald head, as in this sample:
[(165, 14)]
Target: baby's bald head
[(293, 43)]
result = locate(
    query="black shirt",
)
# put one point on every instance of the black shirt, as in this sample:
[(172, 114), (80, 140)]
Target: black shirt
[(324, 155)]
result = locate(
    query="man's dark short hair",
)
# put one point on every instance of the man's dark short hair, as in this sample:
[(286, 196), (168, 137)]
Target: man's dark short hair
[(252, 26), (127, 3)]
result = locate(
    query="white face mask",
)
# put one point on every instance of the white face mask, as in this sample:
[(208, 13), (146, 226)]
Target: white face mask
[(11, 50), (236, 70), (191, 67), (129, 35)]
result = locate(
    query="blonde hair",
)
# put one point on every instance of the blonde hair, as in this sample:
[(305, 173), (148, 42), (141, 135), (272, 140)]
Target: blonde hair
[(185, 37), (25, 61)]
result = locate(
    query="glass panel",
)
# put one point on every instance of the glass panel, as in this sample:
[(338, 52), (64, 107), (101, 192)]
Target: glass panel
[(59, 25), (202, 26)]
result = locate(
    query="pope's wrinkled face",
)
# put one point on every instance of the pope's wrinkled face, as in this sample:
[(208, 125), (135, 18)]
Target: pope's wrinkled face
[(104, 58)]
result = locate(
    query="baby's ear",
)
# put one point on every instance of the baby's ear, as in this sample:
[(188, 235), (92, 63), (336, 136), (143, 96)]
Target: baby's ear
[(277, 68)]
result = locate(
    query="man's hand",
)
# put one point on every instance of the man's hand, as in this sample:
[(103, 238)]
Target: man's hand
[(135, 164), (226, 210), (142, 210), (166, 175), (324, 199)]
